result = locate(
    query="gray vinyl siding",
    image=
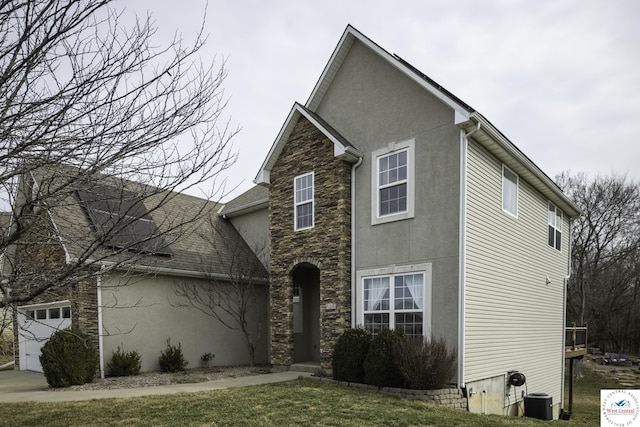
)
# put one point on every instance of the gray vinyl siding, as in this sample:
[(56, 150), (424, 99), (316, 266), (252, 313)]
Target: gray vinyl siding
[(513, 319)]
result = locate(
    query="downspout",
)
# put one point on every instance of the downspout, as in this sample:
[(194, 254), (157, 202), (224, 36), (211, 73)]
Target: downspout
[(100, 335), (462, 256), (353, 242), (564, 315)]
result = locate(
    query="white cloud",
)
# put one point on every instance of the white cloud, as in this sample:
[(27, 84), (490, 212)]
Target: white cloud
[(559, 78)]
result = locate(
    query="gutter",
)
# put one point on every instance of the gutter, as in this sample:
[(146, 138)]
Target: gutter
[(247, 208), (525, 161), (167, 271)]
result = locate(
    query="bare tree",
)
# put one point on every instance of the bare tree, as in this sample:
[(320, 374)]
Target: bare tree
[(234, 293), (87, 103), (603, 290)]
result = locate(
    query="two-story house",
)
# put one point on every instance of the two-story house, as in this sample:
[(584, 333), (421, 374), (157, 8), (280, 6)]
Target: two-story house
[(392, 203)]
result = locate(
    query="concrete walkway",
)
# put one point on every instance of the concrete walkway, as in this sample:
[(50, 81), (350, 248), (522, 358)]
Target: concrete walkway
[(25, 386)]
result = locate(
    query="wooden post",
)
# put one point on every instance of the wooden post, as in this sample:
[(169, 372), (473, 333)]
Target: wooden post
[(570, 387)]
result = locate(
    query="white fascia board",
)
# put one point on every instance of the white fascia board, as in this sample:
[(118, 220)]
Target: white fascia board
[(262, 177), (492, 132), (247, 208), (67, 256), (163, 271), (342, 151)]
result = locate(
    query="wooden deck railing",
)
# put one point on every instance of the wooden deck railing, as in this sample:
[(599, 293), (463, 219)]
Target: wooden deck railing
[(575, 341)]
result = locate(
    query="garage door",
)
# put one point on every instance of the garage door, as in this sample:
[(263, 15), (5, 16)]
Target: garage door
[(37, 324)]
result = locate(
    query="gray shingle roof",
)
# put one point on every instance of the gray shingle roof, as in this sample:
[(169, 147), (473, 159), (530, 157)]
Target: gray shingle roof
[(200, 241)]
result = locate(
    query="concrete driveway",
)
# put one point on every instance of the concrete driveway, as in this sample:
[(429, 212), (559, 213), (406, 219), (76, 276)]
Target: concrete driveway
[(24, 386), (21, 382)]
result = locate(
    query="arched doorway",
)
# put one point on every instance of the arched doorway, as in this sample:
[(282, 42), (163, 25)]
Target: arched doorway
[(306, 313)]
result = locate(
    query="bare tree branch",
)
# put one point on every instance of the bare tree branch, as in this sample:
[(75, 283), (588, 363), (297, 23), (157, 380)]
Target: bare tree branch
[(603, 289), (87, 102), (234, 300)]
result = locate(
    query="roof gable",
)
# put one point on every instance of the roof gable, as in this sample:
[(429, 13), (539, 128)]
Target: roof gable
[(462, 111), (465, 117), (342, 148)]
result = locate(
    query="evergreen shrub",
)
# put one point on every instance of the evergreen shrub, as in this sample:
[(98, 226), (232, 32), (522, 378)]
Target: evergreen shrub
[(69, 358), (349, 355), (124, 363), (172, 359), (381, 364)]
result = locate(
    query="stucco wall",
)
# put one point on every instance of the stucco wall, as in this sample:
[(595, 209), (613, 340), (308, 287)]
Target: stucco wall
[(372, 104), (140, 313), (254, 229)]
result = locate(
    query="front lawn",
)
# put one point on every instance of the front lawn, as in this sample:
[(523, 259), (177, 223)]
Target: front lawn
[(296, 403)]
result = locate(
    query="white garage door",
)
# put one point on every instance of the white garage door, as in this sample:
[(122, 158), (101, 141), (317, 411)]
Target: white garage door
[(37, 324)]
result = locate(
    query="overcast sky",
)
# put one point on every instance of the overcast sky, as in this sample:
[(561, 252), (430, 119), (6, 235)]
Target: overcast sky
[(561, 78)]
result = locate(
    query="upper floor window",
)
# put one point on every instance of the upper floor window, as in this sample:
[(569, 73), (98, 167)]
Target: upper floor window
[(303, 201), (509, 191), (392, 183), (555, 227)]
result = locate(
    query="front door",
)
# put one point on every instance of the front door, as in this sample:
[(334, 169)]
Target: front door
[(306, 314)]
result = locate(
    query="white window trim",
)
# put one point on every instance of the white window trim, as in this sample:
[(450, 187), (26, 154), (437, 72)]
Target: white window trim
[(409, 146), (424, 268), (557, 209), (296, 204), (511, 214)]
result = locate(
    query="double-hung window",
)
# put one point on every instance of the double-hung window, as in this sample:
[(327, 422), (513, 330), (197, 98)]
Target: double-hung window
[(555, 226), (509, 191), (303, 195), (392, 184), (396, 302)]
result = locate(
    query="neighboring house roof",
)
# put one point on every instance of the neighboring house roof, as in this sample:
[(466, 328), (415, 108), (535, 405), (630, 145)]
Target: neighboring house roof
[(197, 240), (467, 118), (254, 199)]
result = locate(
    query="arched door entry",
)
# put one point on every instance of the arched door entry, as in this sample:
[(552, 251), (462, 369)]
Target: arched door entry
[(306, 313)]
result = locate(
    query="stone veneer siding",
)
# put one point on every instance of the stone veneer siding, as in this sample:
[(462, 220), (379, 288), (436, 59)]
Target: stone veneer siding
[(327, 245), (39, 255)]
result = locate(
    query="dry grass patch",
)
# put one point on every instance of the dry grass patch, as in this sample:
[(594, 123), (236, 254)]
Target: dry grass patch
[(294, 403)]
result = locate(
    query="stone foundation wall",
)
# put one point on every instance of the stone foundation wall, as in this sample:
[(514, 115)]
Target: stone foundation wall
[(449, 397)]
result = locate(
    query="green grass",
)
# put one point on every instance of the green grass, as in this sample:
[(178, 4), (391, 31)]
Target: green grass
[(296, 403)]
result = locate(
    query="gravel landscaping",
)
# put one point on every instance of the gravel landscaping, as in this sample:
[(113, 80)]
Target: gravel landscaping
[(152, 379)]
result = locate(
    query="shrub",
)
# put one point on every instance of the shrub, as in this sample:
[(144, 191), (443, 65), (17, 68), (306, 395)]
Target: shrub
[(6, 342), (349, 355), (124, 363), (172, 359), (206, 358), (69, 358), (426, 364), (381, 366)]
